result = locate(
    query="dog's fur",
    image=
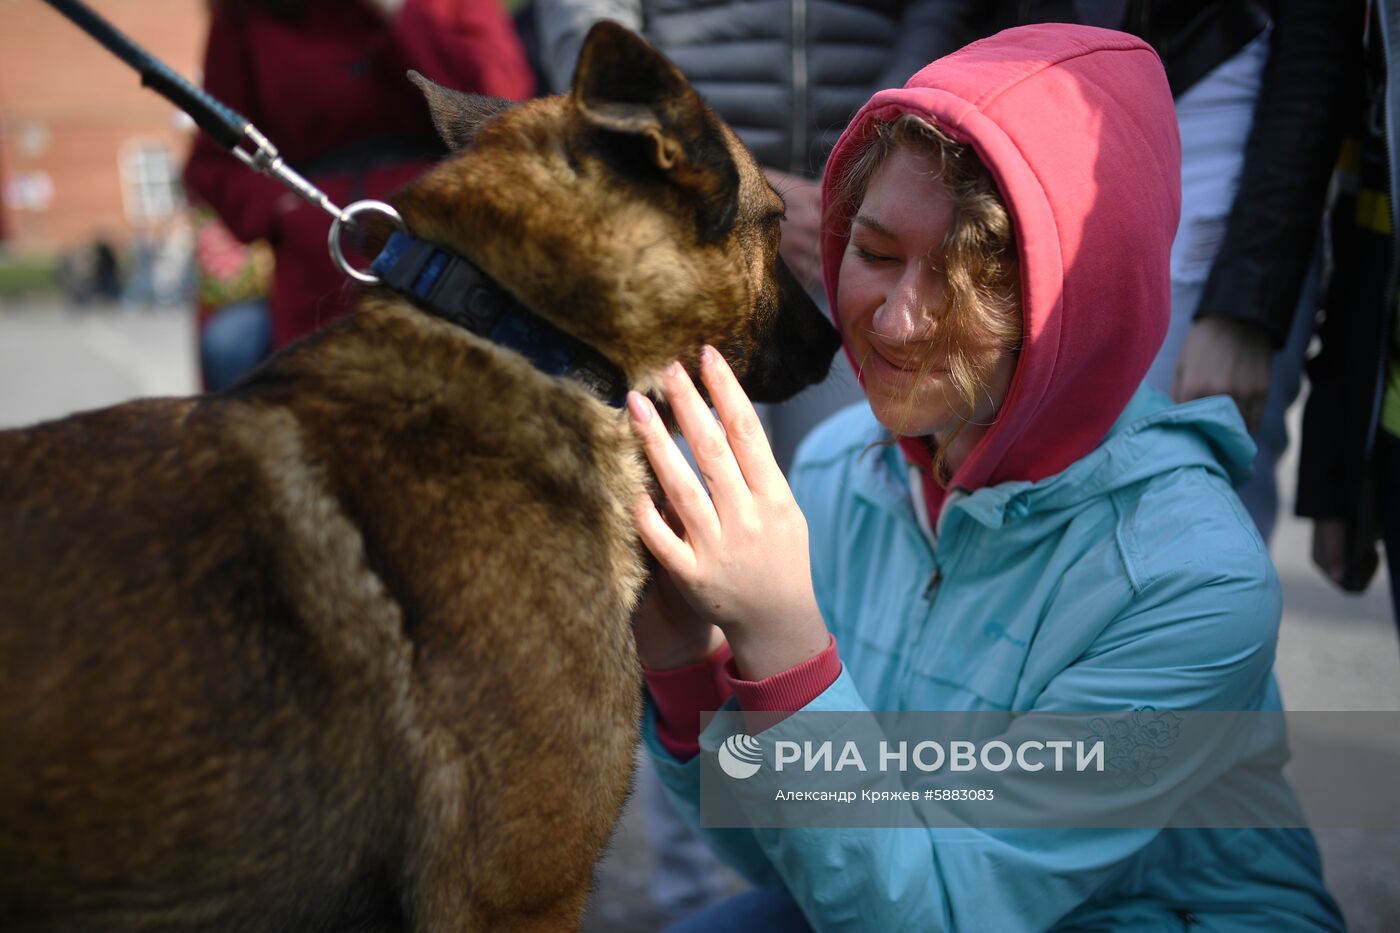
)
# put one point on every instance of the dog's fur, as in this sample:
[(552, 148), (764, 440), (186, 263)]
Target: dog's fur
[(347, 647)]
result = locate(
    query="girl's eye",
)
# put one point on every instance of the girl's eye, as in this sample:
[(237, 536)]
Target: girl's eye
[(866, 255)]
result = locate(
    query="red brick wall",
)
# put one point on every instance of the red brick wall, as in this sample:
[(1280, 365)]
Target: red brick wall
[(68, 109)]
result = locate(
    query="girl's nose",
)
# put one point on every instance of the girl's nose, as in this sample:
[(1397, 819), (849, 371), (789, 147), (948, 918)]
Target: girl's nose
[(907, 312)]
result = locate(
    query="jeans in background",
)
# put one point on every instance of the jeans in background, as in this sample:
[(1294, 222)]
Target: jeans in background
[(232, 341)]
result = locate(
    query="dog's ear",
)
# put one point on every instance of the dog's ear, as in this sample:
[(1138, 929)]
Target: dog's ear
[(457, 116), (624, 87)]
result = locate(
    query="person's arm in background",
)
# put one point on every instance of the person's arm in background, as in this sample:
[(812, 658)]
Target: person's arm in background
[(800, 245), (247, 203), (1247, 307), (467, 45), (562, 24)]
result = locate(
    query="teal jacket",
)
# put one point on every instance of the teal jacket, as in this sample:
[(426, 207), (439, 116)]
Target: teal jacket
[(1132, 578)]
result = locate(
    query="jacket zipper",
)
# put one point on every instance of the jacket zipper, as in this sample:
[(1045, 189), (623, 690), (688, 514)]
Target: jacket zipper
[(799, 88), (935, 580), (931, 588)]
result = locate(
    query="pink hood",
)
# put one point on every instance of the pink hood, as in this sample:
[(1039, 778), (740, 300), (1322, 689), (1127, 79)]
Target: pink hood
[(1077, 126)]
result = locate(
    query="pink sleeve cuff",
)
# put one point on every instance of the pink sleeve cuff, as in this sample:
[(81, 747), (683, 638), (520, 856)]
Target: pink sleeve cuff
[(786, 691), (681, 694)]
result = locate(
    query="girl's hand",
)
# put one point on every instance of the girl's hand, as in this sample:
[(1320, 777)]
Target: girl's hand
[(740, 559), (669, 633)]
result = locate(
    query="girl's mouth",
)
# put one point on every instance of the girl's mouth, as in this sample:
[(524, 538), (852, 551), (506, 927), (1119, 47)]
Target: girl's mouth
[(907, 368)]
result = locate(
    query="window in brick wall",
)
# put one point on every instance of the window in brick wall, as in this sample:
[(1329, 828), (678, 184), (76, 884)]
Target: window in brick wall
[(150, 181)]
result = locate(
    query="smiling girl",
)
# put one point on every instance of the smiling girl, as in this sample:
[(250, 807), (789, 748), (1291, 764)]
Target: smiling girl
[(1011, 523)]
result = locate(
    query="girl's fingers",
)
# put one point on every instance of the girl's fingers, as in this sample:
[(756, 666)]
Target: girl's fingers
[(682, 487), (741, 425), (661, 539), (707, 442)]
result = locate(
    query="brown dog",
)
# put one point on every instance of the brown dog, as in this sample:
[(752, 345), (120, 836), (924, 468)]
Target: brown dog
[(348, 646)]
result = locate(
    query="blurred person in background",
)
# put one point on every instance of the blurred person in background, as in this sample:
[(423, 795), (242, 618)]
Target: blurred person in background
[(173, 266), (1349, 464), (91, 272), (139, 289), (325, 80), (1259, 87), (107, 278), (161, 264)]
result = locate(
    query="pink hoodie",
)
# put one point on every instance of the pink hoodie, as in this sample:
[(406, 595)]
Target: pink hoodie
[(1094, 204)]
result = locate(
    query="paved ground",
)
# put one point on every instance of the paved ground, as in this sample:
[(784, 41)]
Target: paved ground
[(1335, 652)]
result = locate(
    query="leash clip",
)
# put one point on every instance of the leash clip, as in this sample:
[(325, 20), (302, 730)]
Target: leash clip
[(262, 156), (347, 218)]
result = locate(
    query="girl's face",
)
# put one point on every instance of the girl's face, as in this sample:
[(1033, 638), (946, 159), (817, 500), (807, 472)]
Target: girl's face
[(892, 296)]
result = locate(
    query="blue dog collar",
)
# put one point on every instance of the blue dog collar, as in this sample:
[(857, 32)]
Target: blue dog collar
[(450, 287)]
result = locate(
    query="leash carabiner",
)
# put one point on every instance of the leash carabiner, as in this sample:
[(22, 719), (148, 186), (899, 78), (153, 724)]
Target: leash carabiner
[(347, 217), (262, 156)]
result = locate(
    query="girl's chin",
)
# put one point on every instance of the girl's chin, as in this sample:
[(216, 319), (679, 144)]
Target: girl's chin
[(920, 418)]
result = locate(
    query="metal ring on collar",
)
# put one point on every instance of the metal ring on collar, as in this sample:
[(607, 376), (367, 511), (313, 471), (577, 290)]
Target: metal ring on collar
[(347, 217)]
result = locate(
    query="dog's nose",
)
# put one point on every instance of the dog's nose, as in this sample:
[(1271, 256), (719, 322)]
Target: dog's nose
[(797, 354)]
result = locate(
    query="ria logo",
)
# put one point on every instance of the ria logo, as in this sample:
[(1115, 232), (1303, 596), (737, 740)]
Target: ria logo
[(740, 756)]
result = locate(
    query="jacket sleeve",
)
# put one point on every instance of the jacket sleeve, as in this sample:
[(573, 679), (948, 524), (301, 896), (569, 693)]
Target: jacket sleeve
[(1314, 58), (1201, 639), (928, 30), (1343, 375), (467, 45), (562, 24), (245, 201), (738, 848)]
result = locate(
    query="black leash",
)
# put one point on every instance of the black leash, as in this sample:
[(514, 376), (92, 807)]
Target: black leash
[(225, 126)]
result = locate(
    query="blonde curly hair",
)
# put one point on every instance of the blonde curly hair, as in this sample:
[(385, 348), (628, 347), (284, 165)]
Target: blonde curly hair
[(980, 262)]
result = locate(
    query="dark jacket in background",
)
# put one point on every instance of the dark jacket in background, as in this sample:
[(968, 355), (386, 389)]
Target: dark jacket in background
[(1314, 56), (787, 75), (1337, 467)]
